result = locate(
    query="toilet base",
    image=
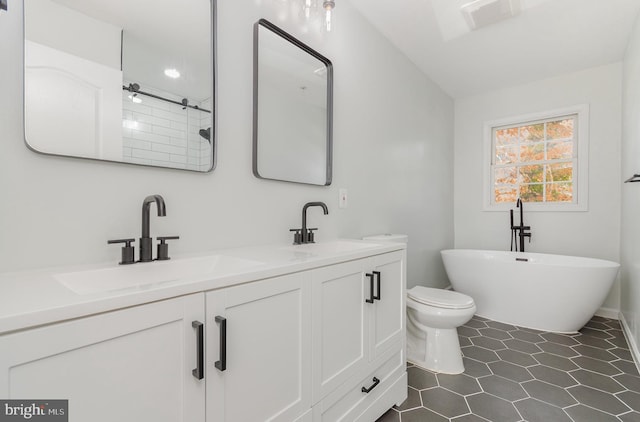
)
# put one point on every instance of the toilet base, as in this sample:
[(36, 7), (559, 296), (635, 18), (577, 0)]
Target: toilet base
[(434, 349)]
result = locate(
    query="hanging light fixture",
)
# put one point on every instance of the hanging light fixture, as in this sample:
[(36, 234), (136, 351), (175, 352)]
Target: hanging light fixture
[(307, 9), (328, 6)]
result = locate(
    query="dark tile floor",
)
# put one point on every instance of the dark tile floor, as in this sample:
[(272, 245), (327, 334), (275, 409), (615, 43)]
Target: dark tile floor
[(517, 374)]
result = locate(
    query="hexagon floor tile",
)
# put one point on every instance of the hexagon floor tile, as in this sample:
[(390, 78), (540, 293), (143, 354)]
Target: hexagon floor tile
[(518, 374)]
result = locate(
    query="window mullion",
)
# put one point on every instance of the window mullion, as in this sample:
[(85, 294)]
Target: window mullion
[(533, 163)]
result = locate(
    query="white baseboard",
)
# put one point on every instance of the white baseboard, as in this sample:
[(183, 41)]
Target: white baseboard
[(610, 313), (633, 345)]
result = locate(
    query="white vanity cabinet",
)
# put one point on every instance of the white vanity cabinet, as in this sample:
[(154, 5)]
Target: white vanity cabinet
[(340, 325), (358, 338), (387, 320), (277, 347), (133, 364), (323, 341), (259, 350)]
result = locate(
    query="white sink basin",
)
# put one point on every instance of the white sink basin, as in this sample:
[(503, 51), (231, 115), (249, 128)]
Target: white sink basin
[(156, 272), (331, 247)]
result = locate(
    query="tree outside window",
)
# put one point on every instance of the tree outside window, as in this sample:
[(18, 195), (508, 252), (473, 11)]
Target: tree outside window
[(535, 161)]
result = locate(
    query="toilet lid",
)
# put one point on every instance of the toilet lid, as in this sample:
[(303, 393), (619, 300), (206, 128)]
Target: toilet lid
[(440, 298)]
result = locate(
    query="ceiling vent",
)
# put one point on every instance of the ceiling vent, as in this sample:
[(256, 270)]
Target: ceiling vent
[(480, 13)]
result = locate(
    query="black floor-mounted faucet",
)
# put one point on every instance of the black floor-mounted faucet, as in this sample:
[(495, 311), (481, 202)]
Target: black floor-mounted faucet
[(146, 243), (520, 230), (306, 235)]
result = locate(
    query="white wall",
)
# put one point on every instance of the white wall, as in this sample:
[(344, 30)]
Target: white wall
[(57, 26), (594, 233), (630, 233), (292, 137), (393, 151)]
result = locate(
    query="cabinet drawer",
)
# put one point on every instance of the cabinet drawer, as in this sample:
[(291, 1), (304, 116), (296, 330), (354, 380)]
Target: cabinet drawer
[(347, 405)]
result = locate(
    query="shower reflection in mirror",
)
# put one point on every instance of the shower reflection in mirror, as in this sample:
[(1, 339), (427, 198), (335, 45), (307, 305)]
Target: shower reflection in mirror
[(104, 81), (141, 106)]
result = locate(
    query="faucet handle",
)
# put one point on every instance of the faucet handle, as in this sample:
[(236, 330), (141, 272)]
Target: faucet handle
[(128, 255), (297, 237), (163, 248), (311, 235)]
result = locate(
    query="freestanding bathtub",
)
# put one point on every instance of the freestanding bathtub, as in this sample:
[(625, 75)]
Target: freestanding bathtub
[(541, 291)]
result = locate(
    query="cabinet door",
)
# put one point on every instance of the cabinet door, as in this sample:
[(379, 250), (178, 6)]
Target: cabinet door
[(267, 373), (388, 314), (128, 365), (340, 325)]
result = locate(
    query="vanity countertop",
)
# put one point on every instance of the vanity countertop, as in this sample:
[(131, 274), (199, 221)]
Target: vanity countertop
[(38, 297)]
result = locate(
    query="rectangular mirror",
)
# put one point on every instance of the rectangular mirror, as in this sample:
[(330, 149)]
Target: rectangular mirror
[(129, 81), (292, 109)]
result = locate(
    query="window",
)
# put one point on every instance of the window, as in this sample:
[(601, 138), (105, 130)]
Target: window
[(539, 158)]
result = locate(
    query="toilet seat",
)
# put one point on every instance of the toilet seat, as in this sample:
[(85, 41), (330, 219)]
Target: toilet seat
[(440, 298)]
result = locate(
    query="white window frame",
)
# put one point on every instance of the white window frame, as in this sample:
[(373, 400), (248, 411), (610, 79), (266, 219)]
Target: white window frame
[(581, 160)]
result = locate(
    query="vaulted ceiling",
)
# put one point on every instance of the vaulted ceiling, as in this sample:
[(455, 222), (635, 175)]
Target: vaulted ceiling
[(547, 38)]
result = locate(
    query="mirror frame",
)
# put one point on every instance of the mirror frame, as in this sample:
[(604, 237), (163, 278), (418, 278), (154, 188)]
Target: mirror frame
[(214, 101), (329, 123)]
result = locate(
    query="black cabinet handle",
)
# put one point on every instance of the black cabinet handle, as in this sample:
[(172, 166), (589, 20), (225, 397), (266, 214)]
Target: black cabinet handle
[(371, 296), (199, 371), (376, 381), (222, 363), (377, 274)]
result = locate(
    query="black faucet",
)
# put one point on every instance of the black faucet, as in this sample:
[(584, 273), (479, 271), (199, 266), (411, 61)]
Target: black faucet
[(306, 235), (520, 230), (146, 243)]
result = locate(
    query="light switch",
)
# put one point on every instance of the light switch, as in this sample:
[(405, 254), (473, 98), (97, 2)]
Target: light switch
[(342, 202)]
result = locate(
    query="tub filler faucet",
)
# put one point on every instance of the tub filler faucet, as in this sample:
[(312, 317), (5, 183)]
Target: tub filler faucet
[(519, 232)]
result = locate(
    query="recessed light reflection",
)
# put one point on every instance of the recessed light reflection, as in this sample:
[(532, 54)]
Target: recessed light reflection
[(135, 99), (172, 73), (130, 124)]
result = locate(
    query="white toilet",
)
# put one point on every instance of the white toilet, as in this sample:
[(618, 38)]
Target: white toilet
[(433, 316)]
